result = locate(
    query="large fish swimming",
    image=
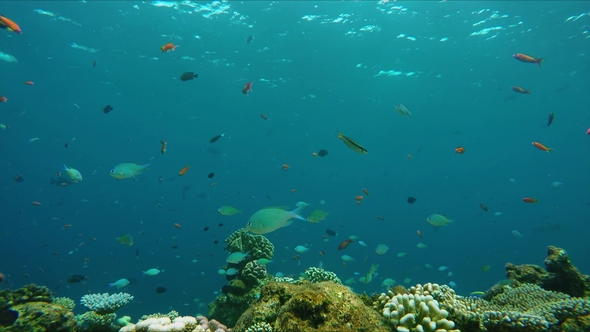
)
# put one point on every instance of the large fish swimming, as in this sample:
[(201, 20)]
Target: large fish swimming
[(272, 218)]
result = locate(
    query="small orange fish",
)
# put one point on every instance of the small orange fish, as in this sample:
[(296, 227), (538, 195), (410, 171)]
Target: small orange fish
[(163, 148), (29, 83), (262, 114), (344, 244), (527, 58), (66, 226), (359, 198), (459, 150), (6, 23), (3, 99), (366, 191), (293, 191), (542, 147), (247, 88), (419, 233), (359, 203), (177, 225), (184, 170), (36, 203), (286, 167), (483, 207), (529, 200), (168, 47), (315, 154), (518, 89)]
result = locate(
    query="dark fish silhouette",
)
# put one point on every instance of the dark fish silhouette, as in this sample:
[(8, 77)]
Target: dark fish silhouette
[(161, 289), (322, 153), (74, 278), (18, 178), (107, 109), (214, 139), (550, 120), (411, 199), (249, 39), (211, 175), (331, 232), (189, 75)]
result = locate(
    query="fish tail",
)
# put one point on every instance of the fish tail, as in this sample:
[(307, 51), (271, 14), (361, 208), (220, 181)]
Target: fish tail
[(145, 166), (549, 150), (539, 61)]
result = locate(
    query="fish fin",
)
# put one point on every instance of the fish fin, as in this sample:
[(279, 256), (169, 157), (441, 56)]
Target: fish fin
[(65, 168), (289, 222), (539, 62)]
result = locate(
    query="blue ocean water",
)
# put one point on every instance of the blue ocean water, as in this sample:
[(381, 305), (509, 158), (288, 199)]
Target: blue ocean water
[(318, 68)]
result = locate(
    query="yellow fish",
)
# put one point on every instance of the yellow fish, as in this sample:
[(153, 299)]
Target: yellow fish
[(126, 240), (272, 218), (74, 174), (317, 216), (227, 210), (127, 170), (438, 220)]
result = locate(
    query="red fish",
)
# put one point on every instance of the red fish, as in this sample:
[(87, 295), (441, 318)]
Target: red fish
[(29, 83), (168, 47), (3, 99), (183, 171), (529, 200), (344, 244), (518, 89), (459, 150), (247, 88), (527, 58), (483, 207), (6, 23)]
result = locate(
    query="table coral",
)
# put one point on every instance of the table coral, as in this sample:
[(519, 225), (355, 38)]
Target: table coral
[(105, 303)]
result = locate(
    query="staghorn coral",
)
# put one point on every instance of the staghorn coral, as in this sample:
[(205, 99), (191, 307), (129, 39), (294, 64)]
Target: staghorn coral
[(316, 274), (560, 275), (257, 245), (253, 273)]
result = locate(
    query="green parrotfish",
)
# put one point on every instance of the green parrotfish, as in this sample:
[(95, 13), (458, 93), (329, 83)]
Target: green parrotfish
[(227, 210), (272, 218), (438, 220), (127, 170)]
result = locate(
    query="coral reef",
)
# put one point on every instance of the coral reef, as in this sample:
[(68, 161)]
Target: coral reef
[(323, 306), (253, 273), (260, 327), (65, 302), (560, 275), (104, 303), (31, 308), (257, 245), (524, 308), (179, 323), (229, 306), (91, 321), (316, 274), (416, 312)]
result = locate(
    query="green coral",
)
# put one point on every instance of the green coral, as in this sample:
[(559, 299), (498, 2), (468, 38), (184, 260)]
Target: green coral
[(37, 317), (260, 327), (65, 302), (91, 321), (257, 245), (28, 293), (316, 274)]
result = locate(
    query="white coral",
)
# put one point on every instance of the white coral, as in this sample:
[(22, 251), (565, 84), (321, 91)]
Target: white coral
[(416, 312)]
